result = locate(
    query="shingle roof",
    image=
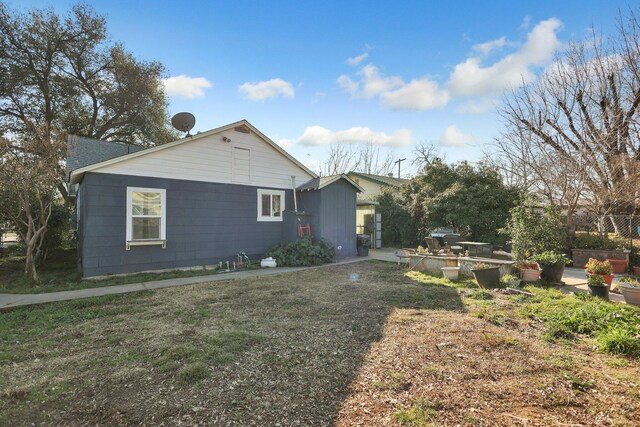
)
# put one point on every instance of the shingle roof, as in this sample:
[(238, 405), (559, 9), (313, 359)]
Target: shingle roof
[(381, 179), (323, 181), (83, 151)]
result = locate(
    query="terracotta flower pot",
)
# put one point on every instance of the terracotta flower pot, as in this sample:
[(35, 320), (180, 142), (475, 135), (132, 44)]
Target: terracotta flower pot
[(529, 275), (608, 278), (636, 270), (619, 265)]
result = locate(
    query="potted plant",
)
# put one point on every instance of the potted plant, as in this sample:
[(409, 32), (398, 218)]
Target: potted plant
[(552, 264), (598, 287), (529, 271), (486, 275), (600, 268), (630, 287), (450, 273)]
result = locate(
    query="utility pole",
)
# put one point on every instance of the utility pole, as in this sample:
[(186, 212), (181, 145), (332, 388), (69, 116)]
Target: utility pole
[(398, 162)]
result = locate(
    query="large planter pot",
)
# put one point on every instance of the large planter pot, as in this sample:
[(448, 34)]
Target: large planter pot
[(552, 273), (451, 273), (631, 293), (487, 277), (636, 270), (619, 265), (529, 275), (601, 291), (608, 278)]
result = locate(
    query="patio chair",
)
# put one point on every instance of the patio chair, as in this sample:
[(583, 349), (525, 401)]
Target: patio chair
[(433, 245)]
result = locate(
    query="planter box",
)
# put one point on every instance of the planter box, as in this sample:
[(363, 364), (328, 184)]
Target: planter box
[(631, 294), (581, 256), (467, 263), (431, 264)]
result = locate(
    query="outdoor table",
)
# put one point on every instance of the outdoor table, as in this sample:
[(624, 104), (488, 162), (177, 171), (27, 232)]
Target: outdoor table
[(478, 249)]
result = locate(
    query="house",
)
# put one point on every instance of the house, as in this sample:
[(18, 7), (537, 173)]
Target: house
[(368, 221), (203, 199)]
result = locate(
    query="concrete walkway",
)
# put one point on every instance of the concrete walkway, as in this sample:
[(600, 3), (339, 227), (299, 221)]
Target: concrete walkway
[(16, 300)]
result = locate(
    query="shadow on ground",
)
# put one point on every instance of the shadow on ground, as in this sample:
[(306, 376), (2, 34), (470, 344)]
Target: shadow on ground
[(280, 349)]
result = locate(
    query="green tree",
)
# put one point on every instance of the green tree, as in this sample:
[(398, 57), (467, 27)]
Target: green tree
[(61, 72), (399, 228), (534, 229), (470, 199)]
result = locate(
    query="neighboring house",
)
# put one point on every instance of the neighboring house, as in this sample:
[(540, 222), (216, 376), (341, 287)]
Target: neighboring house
[(201, 200), (368, 221)]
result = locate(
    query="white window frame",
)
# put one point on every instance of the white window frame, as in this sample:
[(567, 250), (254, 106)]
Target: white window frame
[(270, 218), (163, 218)]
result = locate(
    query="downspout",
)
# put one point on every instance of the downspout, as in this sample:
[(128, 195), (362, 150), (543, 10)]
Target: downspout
[(295, 200)]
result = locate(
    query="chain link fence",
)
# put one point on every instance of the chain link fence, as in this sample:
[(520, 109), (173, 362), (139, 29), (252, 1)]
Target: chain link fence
[(627, 226)]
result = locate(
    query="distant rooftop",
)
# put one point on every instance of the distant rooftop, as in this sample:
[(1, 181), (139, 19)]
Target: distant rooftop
[(382, 179)]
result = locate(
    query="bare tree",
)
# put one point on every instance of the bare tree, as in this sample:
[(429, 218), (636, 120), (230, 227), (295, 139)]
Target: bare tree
[(574, 134), (425, 154), (340, 159), (367, 158), (372, 160), (29, 175)]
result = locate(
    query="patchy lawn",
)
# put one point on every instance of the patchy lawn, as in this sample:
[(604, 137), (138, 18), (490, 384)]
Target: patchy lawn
[(60, 273), (306, 348)]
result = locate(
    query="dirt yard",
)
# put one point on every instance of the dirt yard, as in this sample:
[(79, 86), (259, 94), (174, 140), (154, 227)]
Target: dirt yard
[(309, 348)]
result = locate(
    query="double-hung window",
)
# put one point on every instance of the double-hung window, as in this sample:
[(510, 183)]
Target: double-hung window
[(270, 205), (146, 216)]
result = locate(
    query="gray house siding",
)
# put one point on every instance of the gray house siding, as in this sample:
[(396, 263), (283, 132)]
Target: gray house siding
[(205, 223), (333, 215)]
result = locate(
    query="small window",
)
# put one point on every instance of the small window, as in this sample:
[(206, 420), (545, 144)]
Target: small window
[(270, 205), (146, 214)]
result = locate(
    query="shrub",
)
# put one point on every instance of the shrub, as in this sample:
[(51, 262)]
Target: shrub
[(595, 280), (302, 253), (597, 241), (533, 232)]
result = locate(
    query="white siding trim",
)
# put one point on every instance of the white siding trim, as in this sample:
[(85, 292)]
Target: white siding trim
[(163, 218)]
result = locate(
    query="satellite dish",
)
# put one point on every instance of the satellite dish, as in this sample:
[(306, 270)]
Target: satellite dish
[(184, 122)]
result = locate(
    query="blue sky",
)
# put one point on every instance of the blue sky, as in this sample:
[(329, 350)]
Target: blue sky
[(314, 73)]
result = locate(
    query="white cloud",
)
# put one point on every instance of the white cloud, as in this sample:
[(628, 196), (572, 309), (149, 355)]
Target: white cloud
[(478, 106), (261, 91), (452, 136), (526, 22), (471, 78), (186, 87), (487, 47), (418, 94), (357, 59), (318, 135)]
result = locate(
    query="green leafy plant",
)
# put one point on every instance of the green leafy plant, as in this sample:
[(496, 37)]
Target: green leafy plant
[(598, 267), (595, 280), (483, 266), (302, 253), (631, 281), (534, 230), (550, 258)]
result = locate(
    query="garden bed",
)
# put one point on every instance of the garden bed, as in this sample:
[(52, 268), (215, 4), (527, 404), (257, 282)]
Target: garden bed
[(581, 256)]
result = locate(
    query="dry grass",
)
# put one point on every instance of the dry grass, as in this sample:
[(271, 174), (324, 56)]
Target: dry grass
[(307, 348)]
